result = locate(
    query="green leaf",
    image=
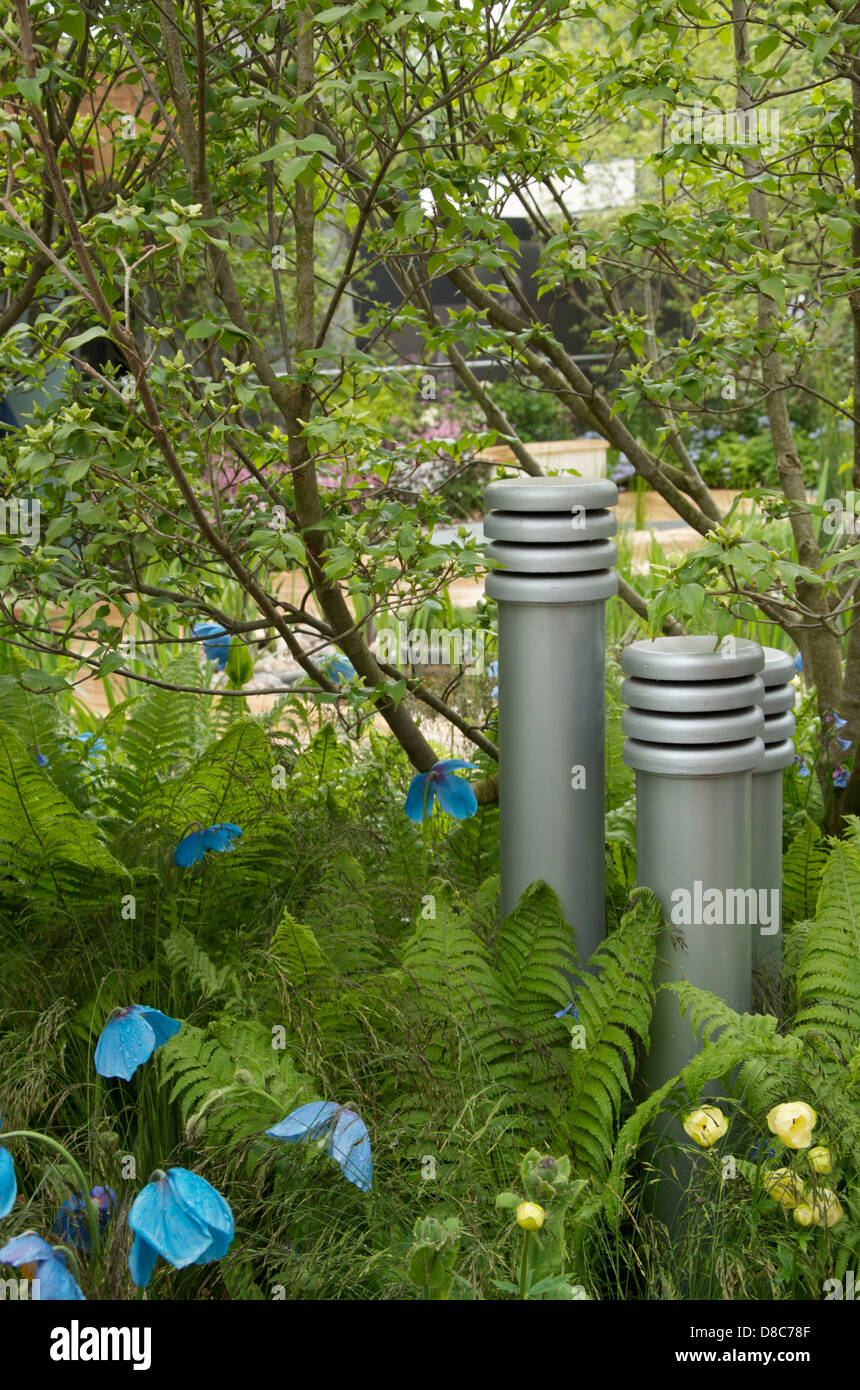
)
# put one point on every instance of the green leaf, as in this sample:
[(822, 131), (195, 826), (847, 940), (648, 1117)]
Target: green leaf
[(202, 328), (29, 89), (86, 337)]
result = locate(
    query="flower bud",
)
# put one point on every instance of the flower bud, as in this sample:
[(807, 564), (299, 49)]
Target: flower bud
[(819, 1159), (706, 1125), (530, 1216)]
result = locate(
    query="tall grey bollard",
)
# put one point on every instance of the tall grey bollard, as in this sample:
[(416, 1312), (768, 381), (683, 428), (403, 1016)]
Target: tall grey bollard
[(779, 723), (694, 727), (551, 536)]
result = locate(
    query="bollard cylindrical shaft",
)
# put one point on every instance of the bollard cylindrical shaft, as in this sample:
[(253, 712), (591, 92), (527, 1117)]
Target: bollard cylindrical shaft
[(694, 729), (551, 537), (777, 706)]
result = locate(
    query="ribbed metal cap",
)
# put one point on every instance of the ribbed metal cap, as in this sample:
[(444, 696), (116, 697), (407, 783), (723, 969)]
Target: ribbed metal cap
[(692, 697), (692, 659), (778, 666), (550, 539), (559, 494), (777, 699), (590, 587), (708, 760), (728, 726), (779, 727), (777, 757), (553, 559), (550, 528)]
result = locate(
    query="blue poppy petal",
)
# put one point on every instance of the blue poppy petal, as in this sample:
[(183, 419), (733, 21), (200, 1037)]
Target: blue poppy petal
[(218, 837), (56, 1284), (141, 1262), (200, 1200), (26, 1249), (125, 1043), (162, 1026), (456, 796), (448, 764), (350, 1147), (190, 850), (8, 1183), (166, 1225), (415, 808), (308, 1122)]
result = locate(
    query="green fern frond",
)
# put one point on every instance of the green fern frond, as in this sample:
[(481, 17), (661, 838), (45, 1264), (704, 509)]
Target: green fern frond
[(45, 841), (183, 952), (615, 1001), (158, 736), (533, 945), (828, 977), (802, 869)]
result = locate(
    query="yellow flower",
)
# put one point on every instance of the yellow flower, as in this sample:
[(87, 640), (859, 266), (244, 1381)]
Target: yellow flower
[(706, 1126), (784, 1187), (803, 1215), (530, 1216), (826, 1210), (793, 1123), (819, 1159)]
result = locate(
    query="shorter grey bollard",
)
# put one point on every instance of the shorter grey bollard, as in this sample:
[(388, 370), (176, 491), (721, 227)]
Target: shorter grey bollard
[(694, 727), (779, 724), (551, 536)]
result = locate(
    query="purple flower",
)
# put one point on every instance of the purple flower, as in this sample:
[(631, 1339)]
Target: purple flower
[(844, 743), (454, 793), (802, 769), (834, 719), (71, 1224), (840, 776)]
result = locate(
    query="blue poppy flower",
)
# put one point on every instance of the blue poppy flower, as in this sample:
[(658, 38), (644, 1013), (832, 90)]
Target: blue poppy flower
[(181, 1217), (348, 1140), (72, 1225), (41, 760), (840, 776), (571, 1009), (216, 642), (798, 662), (8, 1182), (192, 848), (96, 747), (456, 796), (40, 1262), (130, 1037), (338, 668), (802, 769)]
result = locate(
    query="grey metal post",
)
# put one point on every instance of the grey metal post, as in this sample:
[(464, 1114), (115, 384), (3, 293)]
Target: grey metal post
[(551, 536), (694, 731), (694, 727), (779, 724)]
